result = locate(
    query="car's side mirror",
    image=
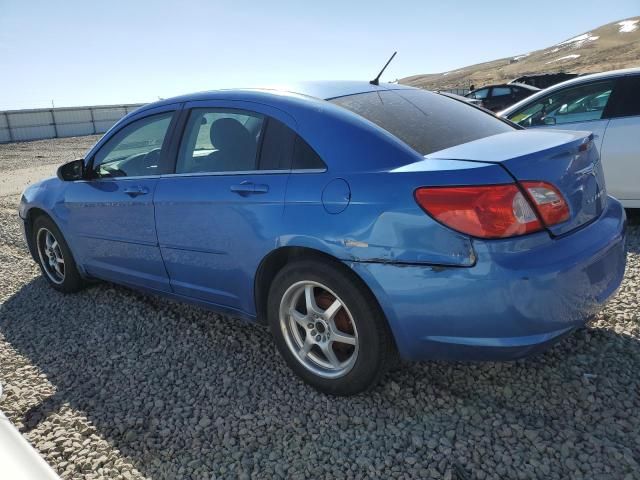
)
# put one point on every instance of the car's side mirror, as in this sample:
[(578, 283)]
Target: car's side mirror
[(549, 120), (71, 171)]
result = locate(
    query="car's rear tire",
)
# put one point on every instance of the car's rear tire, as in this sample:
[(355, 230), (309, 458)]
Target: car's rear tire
[(54, 257), (329, 328)]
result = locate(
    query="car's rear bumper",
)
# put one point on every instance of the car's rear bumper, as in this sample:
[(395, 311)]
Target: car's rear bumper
[(521, 295)]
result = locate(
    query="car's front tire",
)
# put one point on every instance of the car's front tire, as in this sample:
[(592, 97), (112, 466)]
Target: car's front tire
[(54, 257), (329, 328)]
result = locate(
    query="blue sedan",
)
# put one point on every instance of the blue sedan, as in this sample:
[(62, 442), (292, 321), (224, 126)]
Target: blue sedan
[(360, 222)]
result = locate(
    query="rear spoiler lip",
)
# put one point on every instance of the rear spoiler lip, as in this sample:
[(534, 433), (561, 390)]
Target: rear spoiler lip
[(429, 161), (511, 145)]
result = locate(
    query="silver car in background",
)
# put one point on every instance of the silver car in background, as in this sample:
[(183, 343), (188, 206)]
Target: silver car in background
[(607, 104)]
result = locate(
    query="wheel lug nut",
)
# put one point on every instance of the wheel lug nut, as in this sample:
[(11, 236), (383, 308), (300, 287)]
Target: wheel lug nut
[(318, 338), (313, 332), (310, 325)]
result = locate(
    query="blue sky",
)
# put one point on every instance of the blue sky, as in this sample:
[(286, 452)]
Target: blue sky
[(88, 53)]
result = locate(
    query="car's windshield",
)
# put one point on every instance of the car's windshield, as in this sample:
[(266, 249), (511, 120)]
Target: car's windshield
[(425, 121)]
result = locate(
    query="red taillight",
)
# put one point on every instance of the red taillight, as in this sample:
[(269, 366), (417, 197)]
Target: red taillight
[(495, 211), (548, 201), (487, 211)]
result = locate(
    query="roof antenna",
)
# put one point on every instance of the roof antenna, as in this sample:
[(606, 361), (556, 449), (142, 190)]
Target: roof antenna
[(376, 81)]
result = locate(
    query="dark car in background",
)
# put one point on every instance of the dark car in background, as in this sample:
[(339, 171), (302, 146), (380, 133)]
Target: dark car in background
[(460, 98), (544, 80), (499, 97)]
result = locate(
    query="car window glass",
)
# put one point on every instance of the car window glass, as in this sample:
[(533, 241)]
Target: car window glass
[(425, 121), (277, 146), (304, 157), (479, 94), (574, 104), (134, 150), (627, 97), (500, 91), (220, 140), (283, 149)]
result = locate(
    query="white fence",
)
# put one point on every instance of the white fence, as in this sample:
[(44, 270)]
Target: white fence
[(36, 124)]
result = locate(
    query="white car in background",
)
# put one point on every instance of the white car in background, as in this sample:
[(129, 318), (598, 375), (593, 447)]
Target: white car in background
[(607, 104)]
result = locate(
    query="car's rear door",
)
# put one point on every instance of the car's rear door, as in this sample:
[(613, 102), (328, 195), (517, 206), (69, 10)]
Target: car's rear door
[(620, 149), (218, 214), (110, 213)]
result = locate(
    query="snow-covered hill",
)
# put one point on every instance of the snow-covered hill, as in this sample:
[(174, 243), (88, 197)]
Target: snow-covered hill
[(612, 46)]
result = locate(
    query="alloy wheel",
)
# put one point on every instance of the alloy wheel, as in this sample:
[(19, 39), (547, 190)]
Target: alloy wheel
[(51, 257), (319, 329)]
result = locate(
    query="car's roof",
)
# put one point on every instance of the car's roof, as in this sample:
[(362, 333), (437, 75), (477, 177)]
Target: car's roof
[(323, 90), (326, 90), (574, 81), (523, 85), (597, 76), (512, 84)]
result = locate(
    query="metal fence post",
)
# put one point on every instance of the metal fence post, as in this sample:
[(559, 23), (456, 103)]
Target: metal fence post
[(93, 120), (53, 120), (6, 116)]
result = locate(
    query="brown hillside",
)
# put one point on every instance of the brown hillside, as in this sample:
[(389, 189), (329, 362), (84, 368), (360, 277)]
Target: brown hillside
[(610, 47)]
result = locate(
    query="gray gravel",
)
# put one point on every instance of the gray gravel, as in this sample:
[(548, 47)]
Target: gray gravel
[(43, 152), (110, 383)]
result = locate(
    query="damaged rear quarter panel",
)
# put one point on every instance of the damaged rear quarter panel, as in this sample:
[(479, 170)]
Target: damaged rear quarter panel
[(383, 223)]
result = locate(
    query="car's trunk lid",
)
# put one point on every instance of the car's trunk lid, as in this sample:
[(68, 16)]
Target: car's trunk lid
[(566, 159)]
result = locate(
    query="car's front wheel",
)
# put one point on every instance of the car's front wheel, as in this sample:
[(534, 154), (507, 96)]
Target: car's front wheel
[(329, 328), (54, 257)]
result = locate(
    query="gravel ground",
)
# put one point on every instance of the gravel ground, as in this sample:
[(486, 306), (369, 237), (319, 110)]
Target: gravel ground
[(43, 152), (110, 383)]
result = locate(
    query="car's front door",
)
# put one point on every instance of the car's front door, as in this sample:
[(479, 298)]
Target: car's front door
[(217, 216), (111, 214)]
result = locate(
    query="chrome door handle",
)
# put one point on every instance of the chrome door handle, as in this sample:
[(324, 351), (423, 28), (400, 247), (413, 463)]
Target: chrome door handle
[(135, 191), (246, 188)]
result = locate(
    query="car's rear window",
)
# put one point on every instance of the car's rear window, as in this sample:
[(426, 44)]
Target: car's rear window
[(425, 121)]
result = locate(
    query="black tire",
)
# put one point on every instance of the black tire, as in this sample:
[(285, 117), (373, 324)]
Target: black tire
[(70, 281), (373, 344)]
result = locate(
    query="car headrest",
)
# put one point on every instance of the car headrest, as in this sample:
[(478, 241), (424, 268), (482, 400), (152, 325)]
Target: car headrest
[(230, 134)]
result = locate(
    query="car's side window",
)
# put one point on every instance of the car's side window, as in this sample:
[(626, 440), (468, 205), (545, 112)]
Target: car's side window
[(500, 91), (479, 94), (220, 140), (574, 104), (277, 146), (625, 99), (284, 149), (134, 150), (305, 157)]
